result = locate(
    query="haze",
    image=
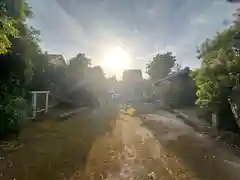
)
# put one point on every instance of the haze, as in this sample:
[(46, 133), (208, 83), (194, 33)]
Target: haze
[(140, 28)]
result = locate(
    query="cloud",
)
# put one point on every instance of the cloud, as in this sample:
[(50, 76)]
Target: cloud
[(138, 26)]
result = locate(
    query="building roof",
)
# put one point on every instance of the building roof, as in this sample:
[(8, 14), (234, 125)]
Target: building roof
[(173, 75), (57, 59)]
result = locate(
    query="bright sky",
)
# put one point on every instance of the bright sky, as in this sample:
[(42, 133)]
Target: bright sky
[(133, 30)]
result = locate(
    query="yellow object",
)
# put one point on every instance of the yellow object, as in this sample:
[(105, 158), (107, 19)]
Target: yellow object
[(131, 111)]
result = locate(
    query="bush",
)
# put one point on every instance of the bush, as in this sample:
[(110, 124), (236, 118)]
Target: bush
[(13, 115)]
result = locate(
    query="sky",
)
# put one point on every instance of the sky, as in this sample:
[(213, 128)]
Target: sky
[(141, 28)]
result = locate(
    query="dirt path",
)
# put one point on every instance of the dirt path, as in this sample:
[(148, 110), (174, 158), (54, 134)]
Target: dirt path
[(162, 148), (208, 159), (54, 149), (159, 146), (131, 152)]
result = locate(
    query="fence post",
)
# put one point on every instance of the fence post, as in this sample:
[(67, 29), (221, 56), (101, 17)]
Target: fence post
[(34, 104), (46, 105)]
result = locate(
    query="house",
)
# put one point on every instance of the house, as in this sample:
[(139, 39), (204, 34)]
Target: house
[(56, 86), (173, 76), (57, 59), (132, 76), (133, 82)]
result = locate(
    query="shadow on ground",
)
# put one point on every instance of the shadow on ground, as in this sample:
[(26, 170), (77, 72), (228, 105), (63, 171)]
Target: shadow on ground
[(53, 149), (203, 157)]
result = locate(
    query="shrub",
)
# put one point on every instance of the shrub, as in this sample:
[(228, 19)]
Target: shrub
[(13, 114)]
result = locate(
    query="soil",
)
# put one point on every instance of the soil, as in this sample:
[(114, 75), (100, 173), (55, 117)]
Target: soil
[(53, 149), (105, 144)]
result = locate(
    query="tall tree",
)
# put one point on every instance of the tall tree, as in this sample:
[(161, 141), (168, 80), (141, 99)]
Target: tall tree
[(18, 49), (220, 70), (95, 80), (181, 91), (160, 66), (77, 67), (80, 61), (7, 29), (15, 65)]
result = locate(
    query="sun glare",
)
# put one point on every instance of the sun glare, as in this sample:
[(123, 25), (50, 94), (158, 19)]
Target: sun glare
[(116, 60)]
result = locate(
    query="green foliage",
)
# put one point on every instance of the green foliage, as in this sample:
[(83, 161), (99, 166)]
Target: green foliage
[(13, 114), (77, 67), (79, 63), (96, 80), (19, 62), (219, 73), (12, 13), (24, 67), (181, 92), (76, 83), (160, 66), (220, 69), (7, 29), (17, 9), (45, 74), (18, 49), (80, 72)]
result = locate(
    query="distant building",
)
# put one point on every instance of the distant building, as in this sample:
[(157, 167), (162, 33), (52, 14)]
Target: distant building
[(132, 76), (174, 75), (133, 81), (57, 59)]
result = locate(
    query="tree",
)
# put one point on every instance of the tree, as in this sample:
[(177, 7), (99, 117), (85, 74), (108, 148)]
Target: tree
[(7, 29), (80, 62), (17, 9), (179, 88), (181, 91), (82, 84), (12, 13), (19, 47), (95, 80), (77, 67), (220, 70), (15, 65), (45, 74), (160, 66)]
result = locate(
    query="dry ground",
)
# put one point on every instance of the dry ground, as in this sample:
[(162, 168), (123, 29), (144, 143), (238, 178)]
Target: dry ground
[(53, 149), (101, 145)]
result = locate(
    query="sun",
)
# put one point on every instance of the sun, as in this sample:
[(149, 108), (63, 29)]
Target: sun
[(116, 60)]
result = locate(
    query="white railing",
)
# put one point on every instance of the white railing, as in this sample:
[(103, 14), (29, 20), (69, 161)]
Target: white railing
[(35, 110)]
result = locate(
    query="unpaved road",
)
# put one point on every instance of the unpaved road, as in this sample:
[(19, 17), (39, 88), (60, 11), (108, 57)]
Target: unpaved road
[(158, 147), (53, 149)]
